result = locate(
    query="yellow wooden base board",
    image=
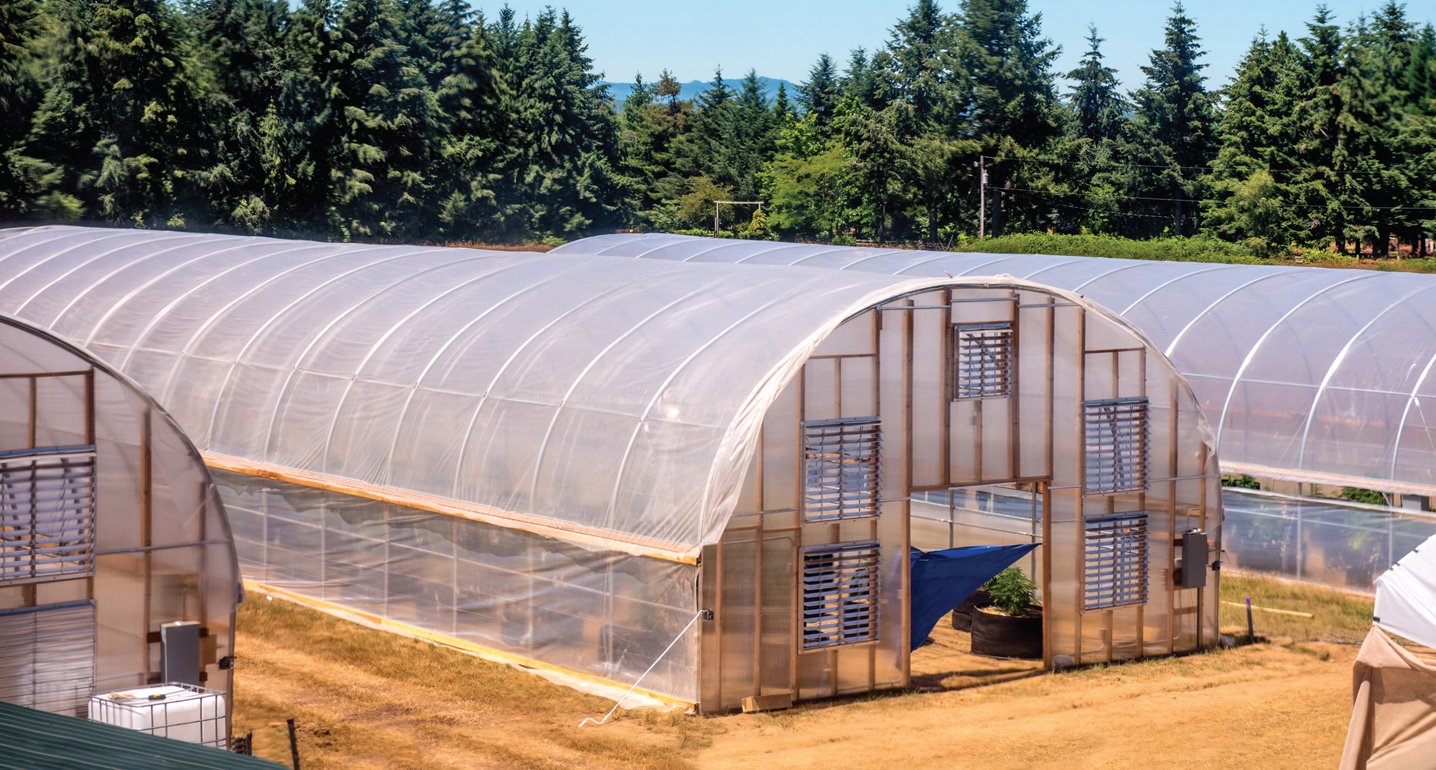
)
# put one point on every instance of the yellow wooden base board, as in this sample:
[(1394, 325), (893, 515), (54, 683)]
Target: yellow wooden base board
[(251, 587)]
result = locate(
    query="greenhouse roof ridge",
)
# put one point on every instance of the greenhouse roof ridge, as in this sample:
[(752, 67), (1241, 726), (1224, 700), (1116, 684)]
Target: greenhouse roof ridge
[(1308, 374), (609, 398)]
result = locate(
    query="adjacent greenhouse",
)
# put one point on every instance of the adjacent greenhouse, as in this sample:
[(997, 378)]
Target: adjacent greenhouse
[(1307, 374), (111, 534), (576, 460)]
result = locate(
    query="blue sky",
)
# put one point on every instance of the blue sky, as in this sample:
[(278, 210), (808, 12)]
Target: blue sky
[(782, 38)]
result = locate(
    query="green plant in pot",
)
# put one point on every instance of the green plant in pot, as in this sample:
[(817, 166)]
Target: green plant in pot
[(1012, 592), (1012, 627)]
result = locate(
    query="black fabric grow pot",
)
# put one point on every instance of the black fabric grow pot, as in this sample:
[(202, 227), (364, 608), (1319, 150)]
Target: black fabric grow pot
[(1000, 636), (962, 616)]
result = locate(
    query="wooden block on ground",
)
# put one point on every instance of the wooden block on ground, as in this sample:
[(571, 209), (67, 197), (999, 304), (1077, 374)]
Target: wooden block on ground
[(776, 702)]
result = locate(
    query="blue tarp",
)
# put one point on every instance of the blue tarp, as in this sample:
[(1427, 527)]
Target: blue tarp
[(942, 579)]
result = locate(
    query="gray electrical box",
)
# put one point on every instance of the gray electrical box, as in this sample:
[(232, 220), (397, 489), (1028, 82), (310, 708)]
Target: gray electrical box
[(1194, 559), (179, 653)]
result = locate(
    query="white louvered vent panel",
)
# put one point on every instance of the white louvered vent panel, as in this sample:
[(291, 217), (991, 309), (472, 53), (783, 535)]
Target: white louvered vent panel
[(47, 514), (982, 360), (841, 590), (47, 657), (1116, 445), (1116, 561), (841, 459)]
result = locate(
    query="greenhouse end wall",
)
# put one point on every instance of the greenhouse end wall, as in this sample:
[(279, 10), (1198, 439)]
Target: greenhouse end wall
[(111, 527)]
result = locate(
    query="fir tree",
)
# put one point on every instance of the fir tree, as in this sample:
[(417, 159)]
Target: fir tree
[(1097, 105), (1176, 116), (819, 94)]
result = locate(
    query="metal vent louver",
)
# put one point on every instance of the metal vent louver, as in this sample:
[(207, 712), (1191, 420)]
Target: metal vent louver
[(47, 657), (1116, 445), (982, 361), (1116, 561), (841, 590), (841, 459), (47, 513)]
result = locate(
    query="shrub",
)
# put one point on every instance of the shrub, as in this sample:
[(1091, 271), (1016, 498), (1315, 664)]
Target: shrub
[(1011, 591), (1242, 481)]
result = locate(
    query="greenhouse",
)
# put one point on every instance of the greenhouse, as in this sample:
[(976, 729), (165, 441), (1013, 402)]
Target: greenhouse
[(112, 535), (578, 461), (1308, 374)]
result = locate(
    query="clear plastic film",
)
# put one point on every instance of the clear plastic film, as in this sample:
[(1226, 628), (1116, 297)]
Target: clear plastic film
[(1308, 374)]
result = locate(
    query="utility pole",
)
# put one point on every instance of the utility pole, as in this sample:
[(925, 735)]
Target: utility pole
[(982, 196), (717, 207)]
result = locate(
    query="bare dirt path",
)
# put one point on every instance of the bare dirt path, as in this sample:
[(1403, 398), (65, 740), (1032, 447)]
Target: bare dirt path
[(1264, 706), (368, 699)]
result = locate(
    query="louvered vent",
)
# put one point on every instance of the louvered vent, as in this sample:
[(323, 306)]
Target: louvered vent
[(1116, 560), (47, 657), (841, 460), (47, 514), (1116, 445), (982, 361), (841, 589)]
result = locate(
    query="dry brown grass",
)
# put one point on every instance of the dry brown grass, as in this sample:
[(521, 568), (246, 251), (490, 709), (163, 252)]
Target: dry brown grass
[(364, 698)]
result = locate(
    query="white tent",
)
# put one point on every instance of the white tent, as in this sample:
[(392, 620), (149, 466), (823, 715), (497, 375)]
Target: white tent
[(1406, 596)]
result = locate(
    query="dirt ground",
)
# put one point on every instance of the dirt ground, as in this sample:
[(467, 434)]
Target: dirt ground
[(368, 699)]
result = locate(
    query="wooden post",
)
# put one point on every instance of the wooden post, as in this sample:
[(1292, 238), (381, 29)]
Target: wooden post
[(34, 400), (800, 404), (718, 624), (949, 386), (90, 407), (1051, 381), (1170, 583), (146, 530), (758, 607), (1014, 398), (1047, 567), (906, 593), (1080, 554)]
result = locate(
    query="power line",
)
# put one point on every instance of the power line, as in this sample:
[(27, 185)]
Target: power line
[(1199, 200), (1056, 162)]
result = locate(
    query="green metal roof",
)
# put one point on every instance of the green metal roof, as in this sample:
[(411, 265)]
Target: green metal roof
[(37, 740)]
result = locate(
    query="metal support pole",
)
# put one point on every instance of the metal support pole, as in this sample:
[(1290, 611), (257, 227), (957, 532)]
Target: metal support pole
[(982, 196)]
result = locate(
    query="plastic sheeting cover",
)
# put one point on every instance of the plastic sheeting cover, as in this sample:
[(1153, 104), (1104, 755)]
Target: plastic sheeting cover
[(1325, 372), (603, 395), (1406, 596)]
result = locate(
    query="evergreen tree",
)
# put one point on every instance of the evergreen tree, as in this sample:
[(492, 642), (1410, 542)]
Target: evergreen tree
[(1011, 105), (746, 140), (1176, 117), (1098, 107), (563, 144), (914, 62), (1317, 181), (239, 51), (1249, 203), (863, 82), (117, 129), (819, 94), (19, 97)]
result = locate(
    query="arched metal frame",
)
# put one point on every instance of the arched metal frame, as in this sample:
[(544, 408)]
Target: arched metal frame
[(1355, 422)]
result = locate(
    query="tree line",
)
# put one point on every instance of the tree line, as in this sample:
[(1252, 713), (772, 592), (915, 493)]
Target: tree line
[(425, 120)]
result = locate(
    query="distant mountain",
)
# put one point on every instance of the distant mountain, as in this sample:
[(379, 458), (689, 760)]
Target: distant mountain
[(692, 88)]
